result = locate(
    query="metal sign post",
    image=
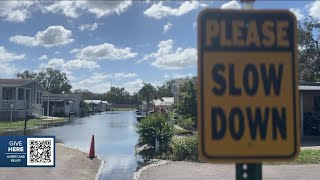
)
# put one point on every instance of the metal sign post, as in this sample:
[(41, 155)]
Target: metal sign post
[(254, 170), (249, 171), (52, 109), (11, 107)]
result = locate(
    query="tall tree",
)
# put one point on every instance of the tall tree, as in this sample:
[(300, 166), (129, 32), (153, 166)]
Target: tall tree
[(309, 50), (52, 80), (187, 100), (147, 93), (118, 95), (87, 95), (27, 75), (166, 89)]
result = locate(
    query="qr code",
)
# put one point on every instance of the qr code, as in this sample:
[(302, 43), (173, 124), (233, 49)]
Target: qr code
[(40, 152)]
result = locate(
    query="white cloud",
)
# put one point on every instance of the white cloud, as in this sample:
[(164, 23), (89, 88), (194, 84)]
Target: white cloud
[(166, 58), (167, 27), (297, 12), (74, 9), (101, 82), (133, 86), (54, 63), (122, 75), (104, 51), (24, 40), (43, 57), (70, 65), (7, 70), (314, 9), (7, 62), (16, 11), (52, 36), (96, 83), (67, 8), (95, 78), (19, 15), (231, 5), (90, 27), (81, 64), (6, 56), (177, 75), (159, 11)]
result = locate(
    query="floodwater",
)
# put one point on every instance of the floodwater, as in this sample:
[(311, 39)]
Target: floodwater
[(115, 140)]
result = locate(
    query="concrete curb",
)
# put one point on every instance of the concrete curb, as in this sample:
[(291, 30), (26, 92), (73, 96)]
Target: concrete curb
[(100, 168), (156, 162), (102, 161)]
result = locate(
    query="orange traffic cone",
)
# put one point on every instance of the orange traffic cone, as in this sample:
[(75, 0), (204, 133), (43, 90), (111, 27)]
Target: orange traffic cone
[(91, 152)]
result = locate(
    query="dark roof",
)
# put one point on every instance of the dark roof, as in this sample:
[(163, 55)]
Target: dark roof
[(16, 82)]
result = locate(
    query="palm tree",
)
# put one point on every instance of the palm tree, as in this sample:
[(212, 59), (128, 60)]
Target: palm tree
[(147, 93)]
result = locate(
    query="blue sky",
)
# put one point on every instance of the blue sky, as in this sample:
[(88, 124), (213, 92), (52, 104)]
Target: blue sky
[(99, 42)]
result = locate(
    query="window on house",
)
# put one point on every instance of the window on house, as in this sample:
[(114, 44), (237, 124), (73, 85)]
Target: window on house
[(20, 94), (8, 93), (39, 97)]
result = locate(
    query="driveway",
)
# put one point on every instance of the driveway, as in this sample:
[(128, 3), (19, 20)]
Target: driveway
[(203, 171)]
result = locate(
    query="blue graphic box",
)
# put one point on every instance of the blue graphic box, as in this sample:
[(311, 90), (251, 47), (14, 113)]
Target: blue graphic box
[(27, 151)]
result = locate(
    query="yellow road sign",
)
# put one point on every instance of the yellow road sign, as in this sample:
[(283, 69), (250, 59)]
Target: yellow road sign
[(248, 108)]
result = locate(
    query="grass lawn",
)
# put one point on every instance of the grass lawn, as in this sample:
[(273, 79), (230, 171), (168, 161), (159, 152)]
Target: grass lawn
[(19, 125), (306, 156), (124, 109)]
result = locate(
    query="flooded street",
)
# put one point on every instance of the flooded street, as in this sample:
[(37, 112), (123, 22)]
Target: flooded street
[(115, 139)]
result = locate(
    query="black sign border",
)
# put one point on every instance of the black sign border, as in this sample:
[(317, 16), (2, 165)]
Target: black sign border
[(201, 33)]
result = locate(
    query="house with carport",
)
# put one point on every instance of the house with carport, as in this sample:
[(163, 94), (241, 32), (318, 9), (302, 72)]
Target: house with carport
[(61, 104)]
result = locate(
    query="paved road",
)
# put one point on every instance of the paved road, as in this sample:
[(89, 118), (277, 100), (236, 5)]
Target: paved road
[(70, 164), (196, 171)]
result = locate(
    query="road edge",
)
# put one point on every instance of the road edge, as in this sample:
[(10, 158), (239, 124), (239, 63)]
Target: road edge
[(98, 157), (156, 162)]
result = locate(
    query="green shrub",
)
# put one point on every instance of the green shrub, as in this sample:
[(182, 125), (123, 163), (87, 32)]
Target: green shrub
[(155, 126), (185, 123), (184, 149)]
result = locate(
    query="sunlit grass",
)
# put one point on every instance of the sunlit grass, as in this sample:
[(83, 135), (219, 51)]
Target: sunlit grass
[(181, 131), (32, 123), (306, 156)]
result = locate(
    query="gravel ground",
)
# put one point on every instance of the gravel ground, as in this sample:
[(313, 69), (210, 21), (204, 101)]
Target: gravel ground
[(196, 171), (70, 164)]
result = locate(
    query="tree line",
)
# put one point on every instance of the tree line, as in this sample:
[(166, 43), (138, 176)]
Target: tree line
[(56, 82)]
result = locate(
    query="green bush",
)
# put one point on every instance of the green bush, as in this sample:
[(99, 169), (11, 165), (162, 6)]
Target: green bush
[(185, 123), (156, 126), (184, 149)]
